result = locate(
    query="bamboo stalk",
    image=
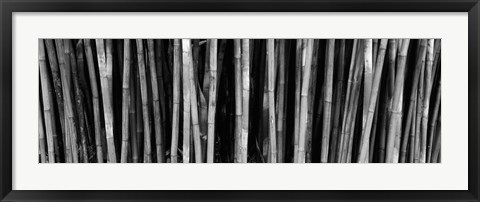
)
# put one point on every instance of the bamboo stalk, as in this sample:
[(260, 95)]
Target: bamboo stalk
[(157, 119), (212, 100), (125, 100), (238, 99), (188, 66), (41, 135), (271, 100), (95, 100), (246, 99), (176, 99), (437, 146), (79, 103), (47, 102), (298, 85), (62, 53), (338, 102), (327, 111), (147, 150), (367, 128), (57, 86), (418, 66), (351, 101), (133, 115), (311, 98), (304, 101), (419, 111), (396, 113), (368, 78), (433, 124), (104, 54), (281, 102), (341, 138), (426, 105), (186, 103)]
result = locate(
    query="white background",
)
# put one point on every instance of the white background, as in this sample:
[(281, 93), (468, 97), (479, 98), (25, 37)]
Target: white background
[(451, 174)]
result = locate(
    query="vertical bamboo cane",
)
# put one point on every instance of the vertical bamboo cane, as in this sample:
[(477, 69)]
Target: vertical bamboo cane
[(327, 111), (304, 102), (186, 102), (95, 99), (341, 139), (147, 150), (418, 66), (105, 82), (298, 85), (66, 89), (338, 104), (433, 124), (47, 102), (246, 98), (367, 128), (396, 113), (212, 100), (281, 102), (157, 120), (188, 66), (125, 100), (426, 105), (176, 99), (368, 78), (271, 100), (41, 135), (238, 98)]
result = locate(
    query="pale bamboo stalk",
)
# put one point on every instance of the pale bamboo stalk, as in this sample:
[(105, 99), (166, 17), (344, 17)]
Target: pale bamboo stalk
[(157, 119), (212, 100), (105, 65), (246, 99), (188, 66), (341, 139), (418, 66), (426, 105), (298, 77), (238, 98), (186, 104), (433, 124), (367, 128), (396, 113), (338, 104), (327, 110), (176, 99), (147, 150), (368, 78), (62, 53), (281, 102), (47, 102), (125, 100), (271, 100), (304, 101), (79, 103), (95, 100), (41, 135)]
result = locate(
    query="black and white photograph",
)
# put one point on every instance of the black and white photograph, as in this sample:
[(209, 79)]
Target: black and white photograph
[(305, 100)]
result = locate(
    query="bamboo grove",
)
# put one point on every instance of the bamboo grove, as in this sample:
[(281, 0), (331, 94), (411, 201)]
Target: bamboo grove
[(239, 101)]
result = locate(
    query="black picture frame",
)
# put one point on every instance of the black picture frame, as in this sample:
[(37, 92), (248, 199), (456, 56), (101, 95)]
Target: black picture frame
[(8, 7)]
